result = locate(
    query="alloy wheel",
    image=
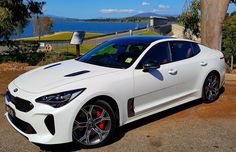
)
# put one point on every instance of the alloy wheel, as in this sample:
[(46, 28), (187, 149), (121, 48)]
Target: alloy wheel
[(92, 125), (211, 87)]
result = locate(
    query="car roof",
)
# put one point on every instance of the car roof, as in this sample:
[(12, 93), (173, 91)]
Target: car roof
[(142, 39)]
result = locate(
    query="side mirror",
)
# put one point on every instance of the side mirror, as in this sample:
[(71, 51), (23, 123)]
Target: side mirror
[(149, 66)]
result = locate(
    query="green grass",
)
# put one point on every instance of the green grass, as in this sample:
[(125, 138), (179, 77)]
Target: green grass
[(72, 48), (149, 33), (65, 36)]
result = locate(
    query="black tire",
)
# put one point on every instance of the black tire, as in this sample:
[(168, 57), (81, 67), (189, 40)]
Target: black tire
[(100, 136), (211, 90)]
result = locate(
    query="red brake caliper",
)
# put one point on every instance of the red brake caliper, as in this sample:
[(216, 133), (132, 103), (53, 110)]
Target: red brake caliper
[(101, 124)]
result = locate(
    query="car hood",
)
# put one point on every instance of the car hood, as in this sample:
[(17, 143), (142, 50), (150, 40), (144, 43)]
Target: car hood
[(58, 74)]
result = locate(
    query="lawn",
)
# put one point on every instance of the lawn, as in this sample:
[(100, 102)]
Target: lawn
[(69, 51), (72, 48), (63, 36), (149, 33), (86, 47)]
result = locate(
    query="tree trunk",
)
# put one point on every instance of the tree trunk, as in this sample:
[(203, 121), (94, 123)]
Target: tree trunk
[(213, 13), (38, 26), (232, 63)]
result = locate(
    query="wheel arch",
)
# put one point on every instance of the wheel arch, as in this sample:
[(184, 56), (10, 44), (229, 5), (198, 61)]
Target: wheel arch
[(111, 102), (208, 73), (211, 71), (214, 71)]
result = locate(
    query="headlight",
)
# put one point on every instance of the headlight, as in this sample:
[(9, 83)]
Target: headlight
[(59, 99)]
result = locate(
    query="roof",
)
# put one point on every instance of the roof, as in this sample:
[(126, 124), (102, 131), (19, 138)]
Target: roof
[(142, 39)]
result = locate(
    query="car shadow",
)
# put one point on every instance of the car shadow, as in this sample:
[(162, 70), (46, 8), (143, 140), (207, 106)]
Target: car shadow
[(126, 128)]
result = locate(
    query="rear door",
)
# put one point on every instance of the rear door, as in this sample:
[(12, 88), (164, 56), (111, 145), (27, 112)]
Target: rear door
[(188, 65)]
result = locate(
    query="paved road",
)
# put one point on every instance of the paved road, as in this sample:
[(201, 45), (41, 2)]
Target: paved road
[(91, 41), (194, 127), (103, 39), (177, 30), (99, 40)]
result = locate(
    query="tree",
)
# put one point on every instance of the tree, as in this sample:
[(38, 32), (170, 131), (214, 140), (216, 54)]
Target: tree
[(37, 7), (14, 15), (42, 25), (229, 37), (212, 16), (190, 18)]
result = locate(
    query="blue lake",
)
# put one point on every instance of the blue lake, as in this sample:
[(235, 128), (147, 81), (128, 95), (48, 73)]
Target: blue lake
[(93, 27)]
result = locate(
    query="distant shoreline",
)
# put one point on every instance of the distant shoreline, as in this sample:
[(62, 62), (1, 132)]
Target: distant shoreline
[(100, 20), (87, 26), (58, 36), (142, 17)]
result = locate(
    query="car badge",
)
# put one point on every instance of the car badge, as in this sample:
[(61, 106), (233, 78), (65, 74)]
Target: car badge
[(15, 90)]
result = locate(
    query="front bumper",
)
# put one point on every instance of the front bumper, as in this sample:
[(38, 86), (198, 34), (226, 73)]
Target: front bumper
[(36, 118)]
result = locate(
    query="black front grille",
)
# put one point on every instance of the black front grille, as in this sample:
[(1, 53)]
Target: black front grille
[(23, 126), (20, 104)]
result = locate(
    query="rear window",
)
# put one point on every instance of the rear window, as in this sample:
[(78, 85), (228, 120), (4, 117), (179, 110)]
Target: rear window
[(196, 48), (181, 50)]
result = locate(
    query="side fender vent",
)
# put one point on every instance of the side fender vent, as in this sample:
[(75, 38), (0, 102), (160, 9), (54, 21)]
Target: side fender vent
[(76, 73), (130, 107)]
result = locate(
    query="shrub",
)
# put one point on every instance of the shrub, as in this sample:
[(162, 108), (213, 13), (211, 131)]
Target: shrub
[(25, 52), (52, 57), (229, 37), (30, 58)]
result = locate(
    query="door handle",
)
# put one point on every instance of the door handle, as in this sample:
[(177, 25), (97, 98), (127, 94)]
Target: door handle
[(203, 63), (173, 71)]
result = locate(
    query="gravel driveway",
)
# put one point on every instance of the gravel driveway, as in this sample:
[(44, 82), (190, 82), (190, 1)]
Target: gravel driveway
[(194, 127)]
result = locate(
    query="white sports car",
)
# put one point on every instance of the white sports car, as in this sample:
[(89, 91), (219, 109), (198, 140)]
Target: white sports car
[(118, 82)]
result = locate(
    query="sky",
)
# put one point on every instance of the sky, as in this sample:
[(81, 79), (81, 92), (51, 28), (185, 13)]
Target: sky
[(88, 9)]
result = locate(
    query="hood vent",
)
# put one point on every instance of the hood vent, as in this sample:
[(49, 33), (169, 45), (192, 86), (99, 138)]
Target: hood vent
[(50, 66), (76, 73)]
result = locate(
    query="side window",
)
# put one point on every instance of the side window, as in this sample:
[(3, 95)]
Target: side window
[(181, 50), (159, 53), (196, 48)]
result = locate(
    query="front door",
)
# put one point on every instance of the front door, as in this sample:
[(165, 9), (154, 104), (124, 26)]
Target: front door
[(162, 87)]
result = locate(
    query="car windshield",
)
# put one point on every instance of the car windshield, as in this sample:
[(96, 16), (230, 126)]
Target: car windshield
[(115, 54)]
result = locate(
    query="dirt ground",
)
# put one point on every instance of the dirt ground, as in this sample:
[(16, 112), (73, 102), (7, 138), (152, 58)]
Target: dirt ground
[(191, 127)]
